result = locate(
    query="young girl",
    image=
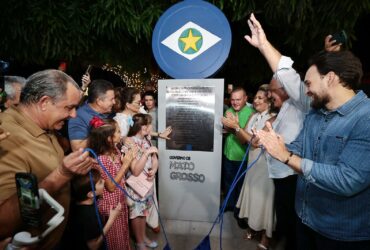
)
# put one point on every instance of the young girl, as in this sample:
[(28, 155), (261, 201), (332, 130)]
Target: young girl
[(145, 161), (104, 136), (85, 223)]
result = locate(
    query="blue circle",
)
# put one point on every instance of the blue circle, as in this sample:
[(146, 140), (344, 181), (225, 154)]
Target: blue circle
[(209, 18)]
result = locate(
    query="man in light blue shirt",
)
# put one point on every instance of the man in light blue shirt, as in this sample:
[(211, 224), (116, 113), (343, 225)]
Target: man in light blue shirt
[(331, 155), (288, 93)]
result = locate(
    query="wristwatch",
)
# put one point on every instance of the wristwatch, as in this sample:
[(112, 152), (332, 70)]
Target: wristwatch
[(237, 129)]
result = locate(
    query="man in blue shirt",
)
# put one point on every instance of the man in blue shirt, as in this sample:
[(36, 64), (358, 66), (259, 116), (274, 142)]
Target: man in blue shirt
[(99, 103), (288, 92), (331, 155)]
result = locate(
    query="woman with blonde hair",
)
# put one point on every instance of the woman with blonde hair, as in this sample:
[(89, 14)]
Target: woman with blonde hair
[(256, 199)]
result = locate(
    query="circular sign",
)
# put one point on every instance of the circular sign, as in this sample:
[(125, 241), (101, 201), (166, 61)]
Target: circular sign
[(192, 39)]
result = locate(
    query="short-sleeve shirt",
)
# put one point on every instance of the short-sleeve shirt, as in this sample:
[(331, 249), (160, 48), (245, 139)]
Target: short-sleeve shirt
[(234, 150), (79, 127), (33, 150)]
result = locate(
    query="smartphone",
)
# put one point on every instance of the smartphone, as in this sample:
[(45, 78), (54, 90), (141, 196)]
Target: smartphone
[(339, 37), (88, 70), (29, 199)]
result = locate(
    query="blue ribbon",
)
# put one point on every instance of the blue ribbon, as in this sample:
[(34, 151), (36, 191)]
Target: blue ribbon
[(130, 121)]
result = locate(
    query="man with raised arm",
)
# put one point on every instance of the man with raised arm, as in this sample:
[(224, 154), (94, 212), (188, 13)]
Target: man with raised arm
[(331, 156), (285, 89), (288, 92)]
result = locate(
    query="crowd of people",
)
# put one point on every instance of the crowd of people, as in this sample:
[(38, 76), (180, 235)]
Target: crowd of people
[(40, 115), (309, 139), (311, 184)]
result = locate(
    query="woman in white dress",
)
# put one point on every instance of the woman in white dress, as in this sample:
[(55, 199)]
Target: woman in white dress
[(256, 199)]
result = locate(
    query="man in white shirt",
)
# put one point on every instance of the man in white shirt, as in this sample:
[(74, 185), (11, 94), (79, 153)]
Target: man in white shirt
[(288, 123)]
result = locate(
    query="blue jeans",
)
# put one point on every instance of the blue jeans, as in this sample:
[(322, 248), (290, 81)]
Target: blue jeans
[(229, 171)]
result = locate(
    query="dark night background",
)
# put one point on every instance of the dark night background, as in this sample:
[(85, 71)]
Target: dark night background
[(85, 32)]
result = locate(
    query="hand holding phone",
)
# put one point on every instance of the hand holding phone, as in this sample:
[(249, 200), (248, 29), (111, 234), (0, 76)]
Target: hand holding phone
[(339, 37), (88, 70), (86, 80)]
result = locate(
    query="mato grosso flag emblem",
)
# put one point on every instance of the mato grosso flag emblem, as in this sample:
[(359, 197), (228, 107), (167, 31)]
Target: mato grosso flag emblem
[(192, 39)]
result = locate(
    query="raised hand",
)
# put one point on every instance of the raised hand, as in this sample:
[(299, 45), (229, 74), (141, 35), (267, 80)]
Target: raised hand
[(330, 45), (85, 81), (258, 36)]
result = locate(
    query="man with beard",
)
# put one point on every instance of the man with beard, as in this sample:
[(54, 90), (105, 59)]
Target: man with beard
[(287, 90), (331, 156), (48, 98)]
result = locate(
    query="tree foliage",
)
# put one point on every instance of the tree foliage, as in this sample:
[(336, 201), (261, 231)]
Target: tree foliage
[(119, 31), (295, 27), (96, 31)]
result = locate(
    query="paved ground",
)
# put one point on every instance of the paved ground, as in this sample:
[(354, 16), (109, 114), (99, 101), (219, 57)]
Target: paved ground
[(185, 235)]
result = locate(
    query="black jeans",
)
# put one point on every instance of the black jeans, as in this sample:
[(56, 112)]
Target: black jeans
[(285, 213), (308, 239)]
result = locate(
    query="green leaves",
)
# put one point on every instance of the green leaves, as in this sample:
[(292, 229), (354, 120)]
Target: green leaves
[(119, 31), (37, 31)]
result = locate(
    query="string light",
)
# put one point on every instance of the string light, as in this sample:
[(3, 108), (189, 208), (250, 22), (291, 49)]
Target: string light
[(134, 79)]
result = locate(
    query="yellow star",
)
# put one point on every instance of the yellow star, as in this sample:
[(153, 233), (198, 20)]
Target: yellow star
[(190, 41)]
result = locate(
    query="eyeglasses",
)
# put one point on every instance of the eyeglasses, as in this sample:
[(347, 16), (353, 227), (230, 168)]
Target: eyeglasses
[(136, 103)]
